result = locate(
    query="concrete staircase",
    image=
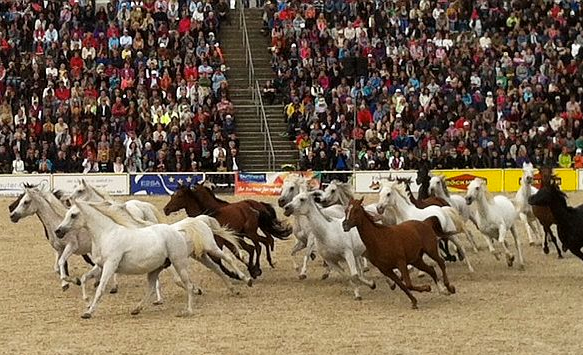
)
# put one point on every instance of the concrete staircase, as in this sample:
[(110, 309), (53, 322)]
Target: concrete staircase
[(253, 155)]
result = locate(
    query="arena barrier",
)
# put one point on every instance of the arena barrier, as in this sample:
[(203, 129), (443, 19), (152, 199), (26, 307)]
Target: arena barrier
[(270, 183)]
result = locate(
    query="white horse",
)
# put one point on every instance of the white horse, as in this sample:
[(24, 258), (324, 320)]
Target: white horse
[(128, 250), (340, 193), (332, 242), (533, 228), (207, 228), (395, 195), (138, 209), (292, 186), (495, 216), (50, 211)]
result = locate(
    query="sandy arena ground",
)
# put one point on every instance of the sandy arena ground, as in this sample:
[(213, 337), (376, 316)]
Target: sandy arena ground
[(497, 310)]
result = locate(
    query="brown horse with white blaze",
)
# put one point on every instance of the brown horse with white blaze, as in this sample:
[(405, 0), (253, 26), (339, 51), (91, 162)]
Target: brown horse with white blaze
[(394, 247)]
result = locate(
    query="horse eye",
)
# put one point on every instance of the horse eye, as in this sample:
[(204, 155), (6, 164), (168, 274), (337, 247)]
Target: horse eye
[(26, 202), (291, 188), (388, 194), (333, 191), (74, 215), (303, 200)]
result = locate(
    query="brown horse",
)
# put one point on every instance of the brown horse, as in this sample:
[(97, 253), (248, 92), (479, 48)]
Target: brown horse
[(544, 214), (390, 247)]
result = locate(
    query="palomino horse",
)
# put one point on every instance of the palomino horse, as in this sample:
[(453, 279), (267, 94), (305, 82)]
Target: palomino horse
[(130, 250), (390, 247), (50, 211), (394, 194), (544, 214), (332, 242), (524, 209), (495, 216), (569, 220)]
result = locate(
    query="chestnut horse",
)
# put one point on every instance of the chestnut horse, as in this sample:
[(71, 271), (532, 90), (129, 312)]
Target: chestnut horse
[(390, 247), (544, 214)]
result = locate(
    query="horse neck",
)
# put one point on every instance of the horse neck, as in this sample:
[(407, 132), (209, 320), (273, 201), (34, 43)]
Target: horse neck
[(403, 208), (344, 199), (441, 193), (92, 196), (319, 223), (98, 224), (484, 206), (366, 229), (210, 202), (525, 191), (48, 215), (423, 191)]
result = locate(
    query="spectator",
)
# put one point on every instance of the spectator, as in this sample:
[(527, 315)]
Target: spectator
[(18, 165), (565, 160)]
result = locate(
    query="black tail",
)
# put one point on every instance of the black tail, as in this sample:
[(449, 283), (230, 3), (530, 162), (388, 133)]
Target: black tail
[(269, 223), (88, 259), (436, 226)]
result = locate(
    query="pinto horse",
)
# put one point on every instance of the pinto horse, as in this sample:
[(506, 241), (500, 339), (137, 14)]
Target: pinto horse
[(544, 214), (569, 220), (390, 247), (240, 216)]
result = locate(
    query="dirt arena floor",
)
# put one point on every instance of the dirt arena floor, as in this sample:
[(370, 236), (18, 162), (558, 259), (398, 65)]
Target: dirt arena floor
[(497, 310)]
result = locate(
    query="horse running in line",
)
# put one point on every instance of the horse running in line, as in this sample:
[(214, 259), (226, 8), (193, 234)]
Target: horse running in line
[(495, 216), (569, 219), (332, 242), (390, 247), (292, 186), (50, 210), (524, 209), (129, 250), (545, 215), (394, 194)]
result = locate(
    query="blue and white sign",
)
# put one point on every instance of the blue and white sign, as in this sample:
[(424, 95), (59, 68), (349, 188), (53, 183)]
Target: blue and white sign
[(161, 184)]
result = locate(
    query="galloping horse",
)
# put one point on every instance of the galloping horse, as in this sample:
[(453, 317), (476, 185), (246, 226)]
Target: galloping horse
[(524, 209), (544, 214), (390, 247)]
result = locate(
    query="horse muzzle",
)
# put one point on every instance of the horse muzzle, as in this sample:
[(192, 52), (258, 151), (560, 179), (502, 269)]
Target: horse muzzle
[(380, 209), (167, 211), (345, 226), (469, 200), (287, 211), (281, 202), (14, 217), (60, 233)]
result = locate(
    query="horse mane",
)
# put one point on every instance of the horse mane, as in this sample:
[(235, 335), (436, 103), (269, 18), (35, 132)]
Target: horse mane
[(444, 184), (113, 215), (101, 193), (401, 189), (54, 203), (486, 192), (344, 188), (212, 194), (298, 180), (318, 208), (404, 180)]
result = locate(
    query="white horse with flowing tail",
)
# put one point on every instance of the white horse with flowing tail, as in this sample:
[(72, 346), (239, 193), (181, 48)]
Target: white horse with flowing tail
[(332, 242), (50, 210), (128, 250), (393, 194), (533, 228), (293, 185), (495, 216), (138, 209)]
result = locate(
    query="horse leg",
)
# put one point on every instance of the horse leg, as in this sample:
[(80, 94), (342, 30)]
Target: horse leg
[(94, 272), (577, 253), (206, 261), (554, 241), (115, 286), (178, 281), (471, 239), (181, 267), (65, 279), (434, 254), (402, 266), (391, 275), (56, 268), (310, 247), (250, 249), (421, 265), (518, 248), (257, 265), (107, 272), (462, 251), (351, 278), (150, 290), (491, 246), (218, 253), (536, 228), (444, 246), (359, 260), (529, 231)]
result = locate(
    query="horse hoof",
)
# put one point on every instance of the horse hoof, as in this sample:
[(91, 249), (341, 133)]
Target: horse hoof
[(65, 287), (113, 290), (77, 282), (358, 298), (325, 276), (96, 284), (531, 244), (302, 276), (86, 315), (184, 314), (546, 250), (521, 267), (197, 292), (158, 302), (427, 288), (250, 282), (510, 260), (393, 287), (414, 306), (560, 257), (451, 289), (135, 312), (374, 285), (312, 256)]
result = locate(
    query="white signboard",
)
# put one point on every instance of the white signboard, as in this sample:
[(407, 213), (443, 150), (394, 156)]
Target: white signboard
[(369, 181), (11, 185), (113, 184)]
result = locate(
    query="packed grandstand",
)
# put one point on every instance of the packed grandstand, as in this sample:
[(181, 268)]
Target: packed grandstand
[(372, 85)]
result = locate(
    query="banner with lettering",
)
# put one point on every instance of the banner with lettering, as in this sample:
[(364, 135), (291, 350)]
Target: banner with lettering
[(268, 184), (161, 184)]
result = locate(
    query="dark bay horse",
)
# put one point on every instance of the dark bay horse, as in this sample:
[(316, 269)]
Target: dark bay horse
[(544, 214), (569, 220), (390, 247), (239, 216)]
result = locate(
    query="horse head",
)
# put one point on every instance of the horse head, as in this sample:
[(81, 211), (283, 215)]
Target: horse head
[(292, 186), (181, 198), (527, 174), (301, 204), (476, 189), (25, 204), (387, 195), (354, 214), (549, 195)]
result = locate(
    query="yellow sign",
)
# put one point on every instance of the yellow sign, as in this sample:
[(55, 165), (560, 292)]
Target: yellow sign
[(458, 180), (567, 179)]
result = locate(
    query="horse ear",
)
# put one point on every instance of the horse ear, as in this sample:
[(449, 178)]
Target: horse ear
[(361, 200)]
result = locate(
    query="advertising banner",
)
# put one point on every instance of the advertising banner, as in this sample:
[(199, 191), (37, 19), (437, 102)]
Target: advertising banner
[(161, 184), (268, 184), (370, 181), (11, 185), (458, 180), (113, 184), (568, 179)]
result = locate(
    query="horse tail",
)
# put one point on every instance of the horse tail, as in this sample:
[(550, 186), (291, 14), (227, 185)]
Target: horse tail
[(88, 259), (269, 208), (159, 216), (224, 232), (191, 228), (269, 223), (435, 224)]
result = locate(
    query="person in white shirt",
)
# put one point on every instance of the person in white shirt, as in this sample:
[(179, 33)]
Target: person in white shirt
[(126, 39), (217, 151), (51, 35), (17, 165), (90, 166), (118, 166)]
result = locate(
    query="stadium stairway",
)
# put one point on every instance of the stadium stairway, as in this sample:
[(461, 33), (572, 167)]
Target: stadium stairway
[(252, 153)]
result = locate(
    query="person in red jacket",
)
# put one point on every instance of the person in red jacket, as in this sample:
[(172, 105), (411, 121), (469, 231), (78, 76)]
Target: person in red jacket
[(62, 92), (364, 117), (118, 110)]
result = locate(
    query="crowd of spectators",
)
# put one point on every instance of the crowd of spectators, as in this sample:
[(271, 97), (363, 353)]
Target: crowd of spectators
[(449, 84), (134, 86)]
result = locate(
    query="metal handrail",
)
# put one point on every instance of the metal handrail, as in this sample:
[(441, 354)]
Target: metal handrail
[(267, 141), (246, 45)]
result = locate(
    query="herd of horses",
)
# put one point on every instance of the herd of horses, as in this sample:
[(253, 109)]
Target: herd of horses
[(396, 234)]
